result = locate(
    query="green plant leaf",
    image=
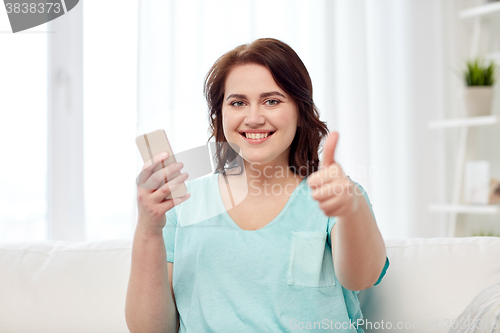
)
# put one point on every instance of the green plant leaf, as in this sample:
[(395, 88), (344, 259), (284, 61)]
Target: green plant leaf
[(476, 73)]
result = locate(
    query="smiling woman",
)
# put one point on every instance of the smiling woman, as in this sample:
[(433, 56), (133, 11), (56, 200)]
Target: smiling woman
[(265, 80), (266, 262)]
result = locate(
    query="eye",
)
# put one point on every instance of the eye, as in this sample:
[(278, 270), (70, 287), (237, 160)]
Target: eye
[(272, 102), (237, 103)]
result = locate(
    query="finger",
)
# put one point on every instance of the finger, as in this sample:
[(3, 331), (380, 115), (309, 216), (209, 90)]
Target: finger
[(337, 206), (327, 191), (332, 206), (325, 175), (157, 158), (329, 150), (162, 176), (160, 194), (149, 166), (170, 203)]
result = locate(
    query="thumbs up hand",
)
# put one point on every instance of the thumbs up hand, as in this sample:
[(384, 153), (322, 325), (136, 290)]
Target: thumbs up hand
[(334, 191)]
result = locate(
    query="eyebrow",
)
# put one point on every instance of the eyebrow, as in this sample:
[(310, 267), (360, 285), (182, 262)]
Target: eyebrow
[(266, 94)]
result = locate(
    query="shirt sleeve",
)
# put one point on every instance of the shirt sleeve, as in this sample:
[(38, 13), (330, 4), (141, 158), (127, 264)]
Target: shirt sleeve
[(169, 233), (383, 271), (365, 195), (331, 223)]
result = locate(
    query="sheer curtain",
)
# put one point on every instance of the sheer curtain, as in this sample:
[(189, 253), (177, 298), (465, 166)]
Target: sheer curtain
[(378, 75), (110, 86), (401, 46)]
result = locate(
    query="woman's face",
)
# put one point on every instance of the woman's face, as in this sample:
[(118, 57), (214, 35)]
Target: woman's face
[(254, 102)]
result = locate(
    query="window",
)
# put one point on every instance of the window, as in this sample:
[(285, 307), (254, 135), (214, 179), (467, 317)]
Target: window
[(109, 125), (23, 133)]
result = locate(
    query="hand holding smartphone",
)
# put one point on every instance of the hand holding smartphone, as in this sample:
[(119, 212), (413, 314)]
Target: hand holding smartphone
[(154, 143)]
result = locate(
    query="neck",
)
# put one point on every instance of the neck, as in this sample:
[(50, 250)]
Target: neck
[(270, 178)]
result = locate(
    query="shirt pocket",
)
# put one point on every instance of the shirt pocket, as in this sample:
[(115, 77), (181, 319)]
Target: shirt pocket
[(311, 263)]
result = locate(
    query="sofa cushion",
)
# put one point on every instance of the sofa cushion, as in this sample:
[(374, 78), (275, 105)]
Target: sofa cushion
[(62, 287), (431, 281), (52, 287)]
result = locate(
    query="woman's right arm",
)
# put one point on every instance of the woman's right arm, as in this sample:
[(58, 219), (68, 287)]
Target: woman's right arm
[(150, 303)]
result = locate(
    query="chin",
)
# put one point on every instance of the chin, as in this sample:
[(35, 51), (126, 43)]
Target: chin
[(256, 159)]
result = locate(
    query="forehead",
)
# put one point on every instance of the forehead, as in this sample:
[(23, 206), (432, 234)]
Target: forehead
[(250, 78)]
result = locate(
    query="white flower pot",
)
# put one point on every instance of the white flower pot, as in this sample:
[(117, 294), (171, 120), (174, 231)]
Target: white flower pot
[(478, 100)]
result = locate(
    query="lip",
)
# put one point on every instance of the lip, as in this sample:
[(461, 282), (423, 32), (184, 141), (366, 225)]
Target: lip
[(255, 141), (256, 131)]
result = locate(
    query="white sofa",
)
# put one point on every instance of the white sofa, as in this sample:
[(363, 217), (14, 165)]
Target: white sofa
[(61, 287)]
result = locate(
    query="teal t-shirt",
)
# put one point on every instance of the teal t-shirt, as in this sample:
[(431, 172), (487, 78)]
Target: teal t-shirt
[(279, 278)]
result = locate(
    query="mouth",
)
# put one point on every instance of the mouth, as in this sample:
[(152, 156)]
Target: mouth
[(256, 136)]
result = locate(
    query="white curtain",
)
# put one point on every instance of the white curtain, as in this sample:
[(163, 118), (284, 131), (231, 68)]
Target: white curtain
[(378, 74), (390, 71)]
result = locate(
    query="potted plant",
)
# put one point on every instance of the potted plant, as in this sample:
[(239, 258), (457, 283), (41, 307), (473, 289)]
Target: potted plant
[(479, 79)]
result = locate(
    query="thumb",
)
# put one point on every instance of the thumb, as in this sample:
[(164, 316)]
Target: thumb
[(329, 150)]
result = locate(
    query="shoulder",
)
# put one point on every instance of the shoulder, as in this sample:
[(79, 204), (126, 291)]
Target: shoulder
[(304, 191)]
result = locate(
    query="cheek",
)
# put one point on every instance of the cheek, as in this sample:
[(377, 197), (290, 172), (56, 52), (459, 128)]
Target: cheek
[(227, 124), (231, 122)]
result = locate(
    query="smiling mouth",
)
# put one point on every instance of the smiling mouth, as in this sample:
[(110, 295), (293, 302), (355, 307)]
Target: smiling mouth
[(243, 135)]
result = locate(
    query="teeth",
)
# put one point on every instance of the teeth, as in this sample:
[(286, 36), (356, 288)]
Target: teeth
[(256, 135)]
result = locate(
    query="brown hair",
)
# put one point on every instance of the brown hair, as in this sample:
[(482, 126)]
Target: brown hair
[(291, 75)]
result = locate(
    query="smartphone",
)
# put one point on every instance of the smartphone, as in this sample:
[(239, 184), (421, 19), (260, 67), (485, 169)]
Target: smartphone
[(154, 143)]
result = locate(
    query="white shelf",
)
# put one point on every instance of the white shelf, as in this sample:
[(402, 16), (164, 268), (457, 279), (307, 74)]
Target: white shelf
[(483, 10), (466, 209), (464, 122)]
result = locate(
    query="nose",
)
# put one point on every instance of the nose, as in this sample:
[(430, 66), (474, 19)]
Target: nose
[(254, 116)]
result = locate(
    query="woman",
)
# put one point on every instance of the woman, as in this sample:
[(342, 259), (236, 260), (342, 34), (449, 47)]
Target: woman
[(255, 246)]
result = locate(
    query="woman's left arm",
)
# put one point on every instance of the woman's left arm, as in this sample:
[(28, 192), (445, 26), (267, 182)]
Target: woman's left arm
[(358, 249)]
